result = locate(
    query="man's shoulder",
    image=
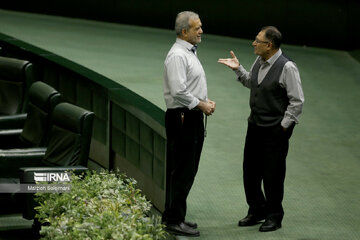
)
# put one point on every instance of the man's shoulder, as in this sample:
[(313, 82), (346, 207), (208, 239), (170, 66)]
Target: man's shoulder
[(177, 49), (177, 52), (290, 65), (284, 61)]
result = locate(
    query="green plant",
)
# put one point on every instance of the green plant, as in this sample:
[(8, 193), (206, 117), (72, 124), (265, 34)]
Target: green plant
[(99, 206)]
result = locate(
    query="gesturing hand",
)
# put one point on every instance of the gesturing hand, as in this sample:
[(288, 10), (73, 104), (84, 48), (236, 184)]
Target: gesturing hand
[(232, 63)]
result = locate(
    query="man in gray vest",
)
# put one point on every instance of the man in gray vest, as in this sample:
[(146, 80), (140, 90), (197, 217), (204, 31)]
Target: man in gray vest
[(276, 100)]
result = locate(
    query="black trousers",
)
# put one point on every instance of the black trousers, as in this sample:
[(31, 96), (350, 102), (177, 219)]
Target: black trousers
[(265, 154), (185, 137)]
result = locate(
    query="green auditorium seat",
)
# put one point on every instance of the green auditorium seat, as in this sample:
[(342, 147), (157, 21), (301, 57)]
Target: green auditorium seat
[(34, 133), (16, 76), (68, 143), (68, 149), (31, 138)]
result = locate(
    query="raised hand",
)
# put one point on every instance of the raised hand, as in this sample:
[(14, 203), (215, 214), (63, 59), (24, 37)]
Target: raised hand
[(232, 63)]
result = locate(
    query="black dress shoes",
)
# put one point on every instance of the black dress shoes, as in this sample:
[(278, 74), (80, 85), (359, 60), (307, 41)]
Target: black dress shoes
[(250, 220), (270, 225), (191, 224), (182, 229)]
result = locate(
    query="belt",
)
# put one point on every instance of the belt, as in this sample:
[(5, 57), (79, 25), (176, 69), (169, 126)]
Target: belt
[(183, 110)]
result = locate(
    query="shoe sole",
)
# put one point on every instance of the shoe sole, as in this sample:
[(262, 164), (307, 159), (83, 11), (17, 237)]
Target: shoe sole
[(269, 230), (182, 233), (251, 224)]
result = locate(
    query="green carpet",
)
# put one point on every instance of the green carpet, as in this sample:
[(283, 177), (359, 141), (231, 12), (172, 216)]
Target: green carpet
[(322, 184)]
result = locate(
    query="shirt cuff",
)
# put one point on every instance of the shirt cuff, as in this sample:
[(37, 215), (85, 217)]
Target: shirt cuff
[(286, 122), (240, 71), (194, 103)]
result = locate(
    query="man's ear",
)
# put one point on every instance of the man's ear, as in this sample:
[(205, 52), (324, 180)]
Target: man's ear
[(183, 31)]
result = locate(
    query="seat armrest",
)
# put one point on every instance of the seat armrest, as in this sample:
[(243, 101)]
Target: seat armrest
[(27, 173), (13, 121), (12, 160), (10, 138), (27, 177)]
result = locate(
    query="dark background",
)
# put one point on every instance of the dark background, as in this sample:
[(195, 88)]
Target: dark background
[(327, 24)]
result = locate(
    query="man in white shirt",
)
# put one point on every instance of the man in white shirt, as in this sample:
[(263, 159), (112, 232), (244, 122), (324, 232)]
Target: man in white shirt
[(276, 100), (186, 98)]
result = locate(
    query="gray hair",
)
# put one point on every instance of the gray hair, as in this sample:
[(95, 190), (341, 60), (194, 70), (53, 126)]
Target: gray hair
[(182, 21)]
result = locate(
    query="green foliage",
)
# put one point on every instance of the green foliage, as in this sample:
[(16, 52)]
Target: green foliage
[(100, 206)]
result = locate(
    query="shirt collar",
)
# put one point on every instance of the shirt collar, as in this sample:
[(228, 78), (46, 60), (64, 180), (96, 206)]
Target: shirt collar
[(184, 43), (272, 60)]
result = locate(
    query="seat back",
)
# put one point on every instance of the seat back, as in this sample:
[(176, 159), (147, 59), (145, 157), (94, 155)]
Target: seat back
[(70, 136), (42, 100), (16, 76)]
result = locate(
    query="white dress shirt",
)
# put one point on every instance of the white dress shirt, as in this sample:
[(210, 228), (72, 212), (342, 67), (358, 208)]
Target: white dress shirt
[(289, 79), (184, 77)]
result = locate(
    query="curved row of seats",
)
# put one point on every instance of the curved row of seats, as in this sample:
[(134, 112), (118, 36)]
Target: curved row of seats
[(38, 131), (16, 76)]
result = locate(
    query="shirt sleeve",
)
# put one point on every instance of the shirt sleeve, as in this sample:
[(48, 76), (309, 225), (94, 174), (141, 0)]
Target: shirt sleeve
[(176, 72), (244, 76), (291, 81)]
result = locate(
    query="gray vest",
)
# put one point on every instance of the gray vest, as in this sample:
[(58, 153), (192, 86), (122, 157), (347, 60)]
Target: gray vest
[(268, 100)]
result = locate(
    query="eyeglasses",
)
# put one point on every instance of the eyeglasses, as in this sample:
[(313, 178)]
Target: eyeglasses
[(260, 41)]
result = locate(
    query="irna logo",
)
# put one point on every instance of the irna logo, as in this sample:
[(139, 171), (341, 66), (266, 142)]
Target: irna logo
[(51, 177)]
